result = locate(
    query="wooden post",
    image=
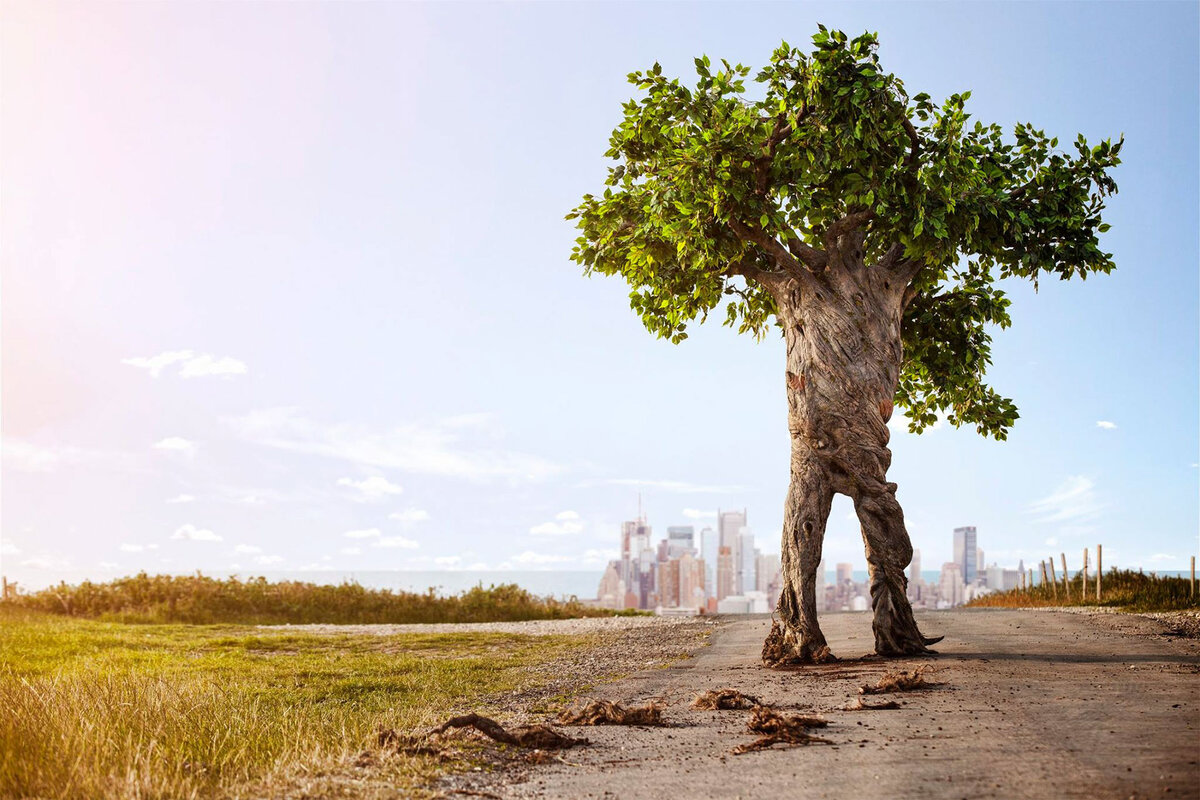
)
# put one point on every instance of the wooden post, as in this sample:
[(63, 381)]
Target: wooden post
[(1084, 584), (1031, 579), (1099, 569), (1066, 578), (1053, 578), (4, 595), (1045, 577), (1192, 591)]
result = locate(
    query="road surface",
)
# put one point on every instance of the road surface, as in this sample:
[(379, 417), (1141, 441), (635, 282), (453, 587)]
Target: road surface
[(1031, 704)]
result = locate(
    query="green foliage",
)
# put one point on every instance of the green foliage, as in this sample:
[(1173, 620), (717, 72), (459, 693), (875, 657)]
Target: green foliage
[(203, 600), (1120, 588), (713, 181)]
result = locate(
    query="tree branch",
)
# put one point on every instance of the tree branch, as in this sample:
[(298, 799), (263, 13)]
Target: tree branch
[(781, 255), (816, 260), (845, 225)]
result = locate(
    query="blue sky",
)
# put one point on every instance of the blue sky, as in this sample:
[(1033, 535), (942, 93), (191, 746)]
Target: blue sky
[(286, 285)]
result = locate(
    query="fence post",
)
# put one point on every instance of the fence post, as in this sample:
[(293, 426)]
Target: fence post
[(1099, 569), (1192, 590), (1083, 586), (4, 596), (1066, 578), (1053, 578), (1031, 579)]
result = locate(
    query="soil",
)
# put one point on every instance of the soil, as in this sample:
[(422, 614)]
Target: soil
[(1022, 704)]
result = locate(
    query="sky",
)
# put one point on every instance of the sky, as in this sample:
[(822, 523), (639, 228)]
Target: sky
[(286, 286)]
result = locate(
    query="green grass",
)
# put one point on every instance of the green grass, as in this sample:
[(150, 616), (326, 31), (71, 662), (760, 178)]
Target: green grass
[(107, 710), (203, 600), (1123, 589)]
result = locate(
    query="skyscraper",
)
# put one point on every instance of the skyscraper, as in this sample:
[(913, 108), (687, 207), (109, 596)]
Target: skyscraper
[(965, 553), (680, 539), (747, 567), (724, 573), (845, 573)]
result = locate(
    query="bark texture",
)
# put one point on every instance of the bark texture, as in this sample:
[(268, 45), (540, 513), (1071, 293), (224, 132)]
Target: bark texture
[(842, 330)]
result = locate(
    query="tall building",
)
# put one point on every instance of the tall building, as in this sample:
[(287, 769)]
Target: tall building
[(681, 539), (729, 528), (821, 586), (725, 573), (708, 554), (845, 573), (914, 576), (965, 552), (747, 567), (980, 564), (950, 587)]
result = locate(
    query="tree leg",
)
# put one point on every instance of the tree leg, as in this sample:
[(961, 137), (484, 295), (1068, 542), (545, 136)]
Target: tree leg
[(795, 637), (889, 551)]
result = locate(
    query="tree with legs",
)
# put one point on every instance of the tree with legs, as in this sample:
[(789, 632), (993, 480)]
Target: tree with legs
[(871, 227)]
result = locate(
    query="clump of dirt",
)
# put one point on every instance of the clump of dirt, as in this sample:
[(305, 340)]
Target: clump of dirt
[(724, 700), (540, 737), (862, 705), (603, 712), (780, 729), (905, 681)]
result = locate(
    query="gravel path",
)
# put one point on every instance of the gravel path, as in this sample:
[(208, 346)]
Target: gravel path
[(1027, 705), (540, 627)]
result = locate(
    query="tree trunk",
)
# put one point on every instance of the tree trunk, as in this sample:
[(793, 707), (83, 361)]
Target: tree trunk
[(842, 330)]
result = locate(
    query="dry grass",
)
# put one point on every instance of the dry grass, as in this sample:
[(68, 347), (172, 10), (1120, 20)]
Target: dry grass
[(201, 600), (102, 710), (1123, 589)]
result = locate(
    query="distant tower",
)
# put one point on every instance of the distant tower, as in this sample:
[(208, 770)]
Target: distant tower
[(965, 553)]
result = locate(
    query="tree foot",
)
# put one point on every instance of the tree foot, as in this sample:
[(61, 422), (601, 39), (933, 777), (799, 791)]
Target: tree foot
[(901, 637), (790, 647)]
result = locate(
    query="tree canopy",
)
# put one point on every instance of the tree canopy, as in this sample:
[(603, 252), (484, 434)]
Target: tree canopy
[(716, 190)]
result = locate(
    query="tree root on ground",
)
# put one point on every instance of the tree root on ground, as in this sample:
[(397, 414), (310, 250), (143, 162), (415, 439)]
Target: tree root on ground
[(603, 712), (540, 737), (900, 681), (724, 700), (861, 705), (779, 729)]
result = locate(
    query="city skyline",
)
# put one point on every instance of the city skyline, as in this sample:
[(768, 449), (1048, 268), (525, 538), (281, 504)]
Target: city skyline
[(267, 308)]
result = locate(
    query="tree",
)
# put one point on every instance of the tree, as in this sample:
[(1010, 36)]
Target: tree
[(871, 227)]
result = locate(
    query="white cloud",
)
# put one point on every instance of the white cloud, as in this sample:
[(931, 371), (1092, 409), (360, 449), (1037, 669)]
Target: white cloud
[(695, 513), (129, 547), (1073, 501), (8, 548), (410, 516), (1052, 542), (375, 487), (600, 556), (437, 449), (397, 541), (1106, 425), (108, 565), (182, 498), (369, 533), (530, 557), (191, 364), (680, 487), (566, 523), (351, 551), (176, 444), (192, 533), (44, 562), (268, 560), (448, 561), (247, 548), (27, 457)]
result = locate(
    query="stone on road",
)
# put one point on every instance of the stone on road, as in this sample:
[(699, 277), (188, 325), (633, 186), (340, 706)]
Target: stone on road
[(1028, 704)]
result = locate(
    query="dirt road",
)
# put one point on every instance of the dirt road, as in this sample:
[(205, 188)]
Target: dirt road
[(1030, 704)]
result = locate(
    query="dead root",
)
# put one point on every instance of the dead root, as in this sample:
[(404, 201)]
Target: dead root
[(861, 705), (603, 712), (899, 681), (724, 700), (541, 737), (780, 729)]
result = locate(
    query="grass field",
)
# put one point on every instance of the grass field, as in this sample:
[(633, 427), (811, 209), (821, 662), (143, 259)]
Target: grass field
[(93, 709), (202, 600), (1123, 589)]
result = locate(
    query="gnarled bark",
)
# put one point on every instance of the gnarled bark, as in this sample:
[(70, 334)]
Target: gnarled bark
[(842, 330)]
